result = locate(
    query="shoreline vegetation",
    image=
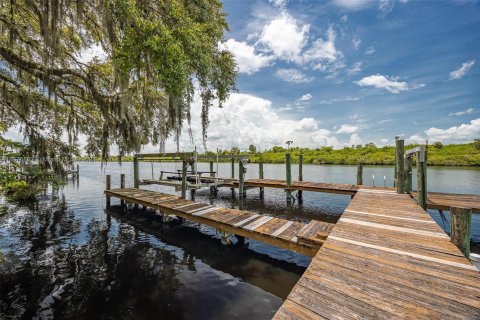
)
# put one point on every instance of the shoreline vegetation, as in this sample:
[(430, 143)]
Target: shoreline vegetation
[(460, 155)]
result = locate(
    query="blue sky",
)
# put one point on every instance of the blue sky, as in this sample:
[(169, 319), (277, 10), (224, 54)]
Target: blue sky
[(345, 72)]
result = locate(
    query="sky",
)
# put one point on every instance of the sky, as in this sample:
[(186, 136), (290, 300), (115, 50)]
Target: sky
[(346, 72)]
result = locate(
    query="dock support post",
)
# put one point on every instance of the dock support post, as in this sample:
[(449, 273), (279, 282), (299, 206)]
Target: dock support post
[(408, 174), (260, 176), (108, 187), (135, 172), (460, 228), (399, 165), (421, 178), (300, 176), (184, 179), (241, 176), (289, 177), (233, 172), (122, 185), (78, 171), (211, 169), (360, 174)]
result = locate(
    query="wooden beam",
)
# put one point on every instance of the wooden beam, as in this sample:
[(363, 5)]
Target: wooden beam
[(460, 228)]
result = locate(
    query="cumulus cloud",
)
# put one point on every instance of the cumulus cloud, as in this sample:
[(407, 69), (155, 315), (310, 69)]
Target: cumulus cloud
[(259, 123), (461, 133), (248, 60), (323, 53), (354, 140), (347, 128), (293, 75), (284, 37), (417, 139), (305, 97), (460, 72), (463, 113), (392, 85)]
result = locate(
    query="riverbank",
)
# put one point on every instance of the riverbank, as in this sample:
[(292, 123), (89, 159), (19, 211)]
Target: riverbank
[(452, 155)]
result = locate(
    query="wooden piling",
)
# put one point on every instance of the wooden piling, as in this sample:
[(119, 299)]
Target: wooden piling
[(184, 179), (108, 187), (421, 179), (408, 174), (122, 186), (360, 174), (211, 169), (78, 171), (260, 176), (399, 161), (232, 173), (136, 181), (300, 176), (460, 228), (241, 177), (288, 176)]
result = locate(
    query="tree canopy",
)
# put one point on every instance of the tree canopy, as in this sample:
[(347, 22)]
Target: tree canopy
[(152, 56)]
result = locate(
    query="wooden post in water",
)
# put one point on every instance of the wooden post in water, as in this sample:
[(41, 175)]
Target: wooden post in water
[(460, 228), (136, 181), (122, 185), (408, 174), (260, 176), (241, 177), (289, 177), (300, 176), (360, 174), (184, 178), (211, 169), (78, 170), (233, 173), (399, 161), (108, 187), (421, 178)]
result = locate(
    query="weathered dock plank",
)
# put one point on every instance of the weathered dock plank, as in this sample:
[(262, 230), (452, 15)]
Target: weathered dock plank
[(386, 258), (275, 231)]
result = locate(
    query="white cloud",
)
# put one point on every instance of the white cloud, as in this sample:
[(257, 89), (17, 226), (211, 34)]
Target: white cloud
[(259, 123), (335, 100), (248, 61), (344, 18), (463, 113), (278, 3), (370, 50), (353, 4), (417, 139), (356, 68), (461, 133), (323, 53), (460, 72), (347, 128), (284, 38), (392, 85), (385, 6), (305, 97), (293, 75), (356, 41), (354, 140)]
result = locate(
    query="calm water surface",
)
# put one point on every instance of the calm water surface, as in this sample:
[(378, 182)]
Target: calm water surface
[(66, 257)]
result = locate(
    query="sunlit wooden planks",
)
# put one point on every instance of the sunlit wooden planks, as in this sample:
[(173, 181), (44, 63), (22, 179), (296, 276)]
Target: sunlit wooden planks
[(278, 232), (392, 262)]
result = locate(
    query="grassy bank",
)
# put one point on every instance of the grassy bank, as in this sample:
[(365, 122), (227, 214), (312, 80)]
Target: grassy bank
[(438, 155)]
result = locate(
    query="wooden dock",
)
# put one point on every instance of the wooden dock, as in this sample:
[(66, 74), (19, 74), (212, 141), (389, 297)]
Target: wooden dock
[(296, 236), (435, 200), (386, 259)]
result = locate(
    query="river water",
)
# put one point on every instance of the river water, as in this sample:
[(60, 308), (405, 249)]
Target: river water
[(66, 257)]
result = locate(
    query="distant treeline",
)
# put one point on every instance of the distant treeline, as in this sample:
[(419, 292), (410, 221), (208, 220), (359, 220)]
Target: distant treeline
[(438, 154)]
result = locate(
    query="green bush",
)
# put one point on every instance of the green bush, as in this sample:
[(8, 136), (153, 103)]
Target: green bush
[(21, 190)]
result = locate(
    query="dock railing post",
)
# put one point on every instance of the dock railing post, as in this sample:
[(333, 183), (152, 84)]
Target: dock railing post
[(241, 177), (300, 176), (122, 185), (260, 176), (421, 178), (360, 173), (408, 173), (460, 228), (184, 178), (135, 172), (108, 187), (289, 177), (399, 164)]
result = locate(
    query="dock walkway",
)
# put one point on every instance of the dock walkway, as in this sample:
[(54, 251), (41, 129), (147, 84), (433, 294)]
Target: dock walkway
[(435, 200), (386, 259), (291, 235)]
